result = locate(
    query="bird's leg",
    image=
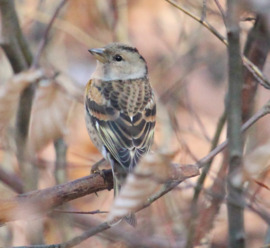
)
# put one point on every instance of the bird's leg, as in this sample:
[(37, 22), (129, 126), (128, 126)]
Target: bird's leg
[(95, 168)]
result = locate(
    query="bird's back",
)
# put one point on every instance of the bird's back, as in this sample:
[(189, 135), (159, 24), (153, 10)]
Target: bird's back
[(123, 114)]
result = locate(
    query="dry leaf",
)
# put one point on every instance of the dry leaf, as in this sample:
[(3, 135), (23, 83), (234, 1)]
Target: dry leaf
[(51, 109), (10, 94), (152, 170), (258, 161)]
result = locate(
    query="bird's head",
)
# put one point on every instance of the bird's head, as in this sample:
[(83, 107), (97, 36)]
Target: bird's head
[(118, 61)]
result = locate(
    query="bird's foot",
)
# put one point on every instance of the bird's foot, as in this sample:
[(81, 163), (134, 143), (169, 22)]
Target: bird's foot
[(95, 168)]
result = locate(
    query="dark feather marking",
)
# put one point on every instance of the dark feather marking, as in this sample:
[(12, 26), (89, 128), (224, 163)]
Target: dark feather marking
[(137, 117), (125, 141), (128, 48), (138, 128), (93, 106), (150, 112)]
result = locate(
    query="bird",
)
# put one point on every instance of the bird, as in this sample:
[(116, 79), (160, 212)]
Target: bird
[(120, 109)]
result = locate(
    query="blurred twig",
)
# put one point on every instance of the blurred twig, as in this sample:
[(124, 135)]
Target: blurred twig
[(60, 164), (221, 11), (203, 22), (64, 222), (67, 27), (19, 55), (262, 79), (54, 196), (256, 49), (200, 182), (187, 171), (42, 201), (79, 212), (258, 115), (44, 39)]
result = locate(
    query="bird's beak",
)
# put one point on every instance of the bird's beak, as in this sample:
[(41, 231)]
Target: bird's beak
[(99, 54)]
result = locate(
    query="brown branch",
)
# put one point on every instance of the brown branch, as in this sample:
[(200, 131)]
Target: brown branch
[(42, 201), (46, 199), (59, 194), (256, 50), (187, 172)]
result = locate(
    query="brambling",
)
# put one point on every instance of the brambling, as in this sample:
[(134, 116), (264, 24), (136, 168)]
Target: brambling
[(120, 108)]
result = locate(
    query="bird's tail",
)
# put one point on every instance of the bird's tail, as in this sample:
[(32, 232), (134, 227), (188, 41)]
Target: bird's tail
[(117, 182)]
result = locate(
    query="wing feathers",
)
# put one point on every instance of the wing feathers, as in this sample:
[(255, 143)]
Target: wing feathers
[(126, 135)]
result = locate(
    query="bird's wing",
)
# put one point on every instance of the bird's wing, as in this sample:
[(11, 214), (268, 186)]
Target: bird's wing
[(125, 138)]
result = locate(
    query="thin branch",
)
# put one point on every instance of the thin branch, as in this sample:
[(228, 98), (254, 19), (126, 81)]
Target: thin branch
[(247, 63), (261, 113), (41, 201), (44, 39), (79, 212), (221, 11), (256, 49), (200, 182), (59, 194), (70, 190), (204, 10), (187, 170), (208, 26)]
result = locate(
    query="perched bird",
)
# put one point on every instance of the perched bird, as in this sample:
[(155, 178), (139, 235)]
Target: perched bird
[(120, 108)]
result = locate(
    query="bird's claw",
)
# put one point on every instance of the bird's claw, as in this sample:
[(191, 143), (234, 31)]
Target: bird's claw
[(95, 168)]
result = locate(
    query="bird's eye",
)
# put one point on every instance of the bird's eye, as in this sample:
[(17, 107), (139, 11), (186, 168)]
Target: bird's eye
[(117, 57)]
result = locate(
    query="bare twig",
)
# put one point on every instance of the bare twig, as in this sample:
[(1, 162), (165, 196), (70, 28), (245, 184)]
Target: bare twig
[(256, 49), (262, 112), (41, 201), (263, 80), (57, 195), (204, 10), (208, 26), (221, 11), (44, 39), (200, 182), (79, 212), (64, 223), (188, 171)]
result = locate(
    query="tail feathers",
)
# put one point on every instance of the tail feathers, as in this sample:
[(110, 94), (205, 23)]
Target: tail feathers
[(131, 218)]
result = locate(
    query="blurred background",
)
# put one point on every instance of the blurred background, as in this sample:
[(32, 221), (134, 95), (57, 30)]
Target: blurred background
[(188, 71)]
